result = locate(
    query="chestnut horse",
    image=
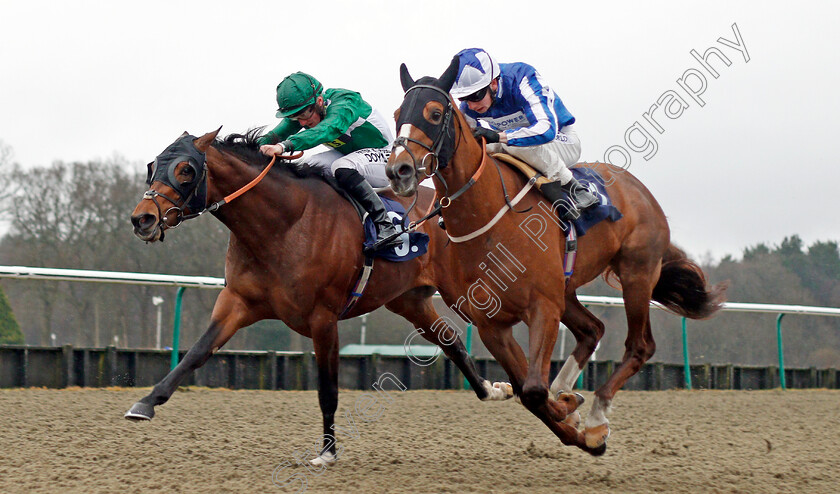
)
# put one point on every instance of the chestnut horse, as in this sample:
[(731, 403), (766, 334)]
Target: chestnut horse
[(435, 140), (295, 254)]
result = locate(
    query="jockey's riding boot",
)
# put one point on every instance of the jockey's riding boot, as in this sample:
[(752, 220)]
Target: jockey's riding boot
[(355, 184), (581, 198)]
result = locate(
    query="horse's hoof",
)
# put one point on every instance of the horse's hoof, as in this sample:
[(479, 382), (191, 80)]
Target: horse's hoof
[(505, 388), (597, 436), (578, 397), (497, 391), (327, 459), (573, 419), (600, 450), (572, 400), (140, 411)]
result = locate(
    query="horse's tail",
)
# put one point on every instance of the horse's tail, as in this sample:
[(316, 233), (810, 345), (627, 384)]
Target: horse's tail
[(682, 287)]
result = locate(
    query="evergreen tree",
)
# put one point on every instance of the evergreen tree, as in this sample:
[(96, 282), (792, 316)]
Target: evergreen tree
[(759, 250), (9, 329)]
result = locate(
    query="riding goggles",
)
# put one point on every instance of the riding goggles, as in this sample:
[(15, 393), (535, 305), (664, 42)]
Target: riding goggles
[(476, 96)]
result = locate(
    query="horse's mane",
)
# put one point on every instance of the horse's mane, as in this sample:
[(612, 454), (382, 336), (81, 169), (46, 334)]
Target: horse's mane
[(246, 147)]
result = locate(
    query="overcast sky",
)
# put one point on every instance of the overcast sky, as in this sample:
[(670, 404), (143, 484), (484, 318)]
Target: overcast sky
[(755, 163)]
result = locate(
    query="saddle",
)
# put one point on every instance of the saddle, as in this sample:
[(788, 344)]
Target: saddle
[(530, 173), (523, 167), (586, 176), (586, 219)]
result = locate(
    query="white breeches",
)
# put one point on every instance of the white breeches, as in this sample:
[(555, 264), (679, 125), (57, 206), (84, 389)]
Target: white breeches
[(551, 159), (370, 163)]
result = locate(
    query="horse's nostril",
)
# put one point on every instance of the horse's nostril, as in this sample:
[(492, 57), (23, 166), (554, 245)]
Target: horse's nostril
[(405, 171), (143, 221)]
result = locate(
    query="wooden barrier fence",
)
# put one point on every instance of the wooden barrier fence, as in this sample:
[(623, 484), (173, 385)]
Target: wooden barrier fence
[(60, 367)]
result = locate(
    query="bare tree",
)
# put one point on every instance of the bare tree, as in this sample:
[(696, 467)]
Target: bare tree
[(77, 216)]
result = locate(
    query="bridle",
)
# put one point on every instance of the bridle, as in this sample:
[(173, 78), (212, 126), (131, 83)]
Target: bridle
[(178, 208), (443, 148), (194, 193), (440, 132)]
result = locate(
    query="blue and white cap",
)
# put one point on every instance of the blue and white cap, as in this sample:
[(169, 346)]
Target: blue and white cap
[(475, 72)]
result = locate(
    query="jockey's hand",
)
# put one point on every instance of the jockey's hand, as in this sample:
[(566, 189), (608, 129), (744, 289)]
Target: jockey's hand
[(491, 136), (272, 149)]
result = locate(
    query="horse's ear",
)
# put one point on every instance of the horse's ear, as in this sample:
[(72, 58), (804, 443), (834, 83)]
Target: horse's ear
[(185, 134), (203, 142), (448, 77), (405, 79)]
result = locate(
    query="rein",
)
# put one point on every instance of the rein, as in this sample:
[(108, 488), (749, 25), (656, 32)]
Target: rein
[(250, 185), (509, 204), (445, 201), (178, 205), (434, 152)]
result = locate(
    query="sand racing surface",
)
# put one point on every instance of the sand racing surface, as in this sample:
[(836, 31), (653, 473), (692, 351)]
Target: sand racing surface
[(216, 441)]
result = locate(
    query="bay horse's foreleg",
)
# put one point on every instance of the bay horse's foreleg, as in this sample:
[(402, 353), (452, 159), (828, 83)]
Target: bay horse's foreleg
[(416, 306), (505, 349), (639, 347), (325, 340), (229, 315)]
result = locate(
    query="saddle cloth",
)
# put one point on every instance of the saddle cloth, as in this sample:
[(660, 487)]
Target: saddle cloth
[(414, 244), (587, 177)]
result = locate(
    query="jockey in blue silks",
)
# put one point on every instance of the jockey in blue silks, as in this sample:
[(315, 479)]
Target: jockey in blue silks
[(517, 113)]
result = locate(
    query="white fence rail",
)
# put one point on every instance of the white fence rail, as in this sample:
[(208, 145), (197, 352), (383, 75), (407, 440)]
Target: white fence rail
[(55, 274)]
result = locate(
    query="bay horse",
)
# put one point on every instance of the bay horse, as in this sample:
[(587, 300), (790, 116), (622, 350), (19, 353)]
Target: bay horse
[(295, 253), (434, 140)]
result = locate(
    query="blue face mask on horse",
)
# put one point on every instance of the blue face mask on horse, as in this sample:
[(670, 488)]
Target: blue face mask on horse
[(192, 193)]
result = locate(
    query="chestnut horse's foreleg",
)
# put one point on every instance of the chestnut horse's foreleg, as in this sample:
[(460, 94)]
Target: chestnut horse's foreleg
[(543, 321), (639, 347), (587, 330), (229, 315), (500, 342), (416, 306), (325, 340)]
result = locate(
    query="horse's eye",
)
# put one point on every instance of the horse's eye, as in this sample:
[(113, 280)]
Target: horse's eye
[(187, 175), (436, 116)]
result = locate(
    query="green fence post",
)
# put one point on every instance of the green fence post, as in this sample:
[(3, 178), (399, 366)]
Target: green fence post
[(176, 328), (685, 356), (781, 351), (468, 344), (579, 383)]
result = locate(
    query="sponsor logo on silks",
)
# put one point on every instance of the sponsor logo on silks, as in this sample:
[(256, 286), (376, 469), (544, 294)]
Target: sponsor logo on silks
[(377, 156), (514, 121), (337, 143)]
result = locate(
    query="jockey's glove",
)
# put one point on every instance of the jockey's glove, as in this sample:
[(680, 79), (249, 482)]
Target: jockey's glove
[(491, 136), (277, 149)]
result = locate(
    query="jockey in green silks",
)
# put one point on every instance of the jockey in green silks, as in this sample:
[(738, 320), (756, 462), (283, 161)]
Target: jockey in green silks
[(357, 133)]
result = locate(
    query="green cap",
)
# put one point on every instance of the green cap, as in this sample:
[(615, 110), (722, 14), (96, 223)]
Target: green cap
[(296, 92)]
